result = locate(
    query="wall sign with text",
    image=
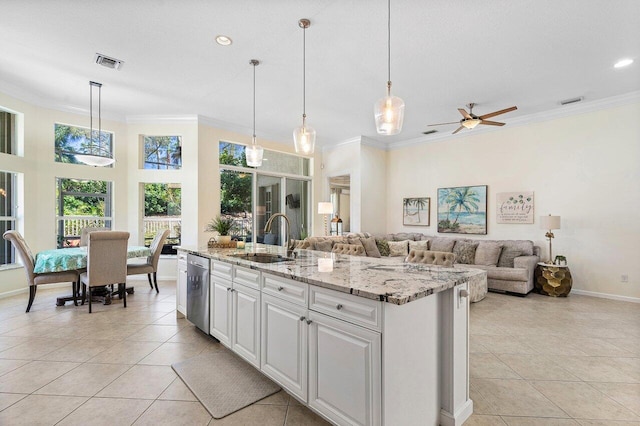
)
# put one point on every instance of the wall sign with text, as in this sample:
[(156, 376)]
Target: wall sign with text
[(514, 207)]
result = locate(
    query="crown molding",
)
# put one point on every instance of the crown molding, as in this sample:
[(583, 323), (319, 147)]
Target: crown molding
[(374, 143), (357, 139), (554, 114)]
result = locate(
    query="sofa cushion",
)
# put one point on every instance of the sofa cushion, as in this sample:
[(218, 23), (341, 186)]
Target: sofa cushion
[(350, 249), (507, 255), (430, 257), (525, 246), (465, 251), (504, 274), (398, 248), (325, 245), (419, 245), (403, 236), (488, 253), (354, 240), (383, 246), (442, 244), (370, 246)]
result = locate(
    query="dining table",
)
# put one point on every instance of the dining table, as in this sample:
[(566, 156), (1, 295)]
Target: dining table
[(74, 259)]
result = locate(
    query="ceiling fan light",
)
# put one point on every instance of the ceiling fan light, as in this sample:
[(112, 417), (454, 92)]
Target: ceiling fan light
[(95, 160), (304, 139), (389, 115), (471, 123)]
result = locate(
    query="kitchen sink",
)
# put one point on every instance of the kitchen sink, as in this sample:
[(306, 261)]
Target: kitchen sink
[(262, 257)]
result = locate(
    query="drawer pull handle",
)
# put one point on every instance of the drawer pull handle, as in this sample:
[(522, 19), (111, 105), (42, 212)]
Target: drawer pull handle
[(309, 321), (339, 306), (280, 288), (228, 288), (302, 318), (464, 293)]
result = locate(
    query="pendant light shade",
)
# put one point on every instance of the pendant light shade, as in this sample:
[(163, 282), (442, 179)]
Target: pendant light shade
[(255, 152), (304, 137), (389, 111), (95, 155)]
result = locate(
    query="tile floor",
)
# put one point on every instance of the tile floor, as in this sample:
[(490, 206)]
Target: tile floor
[(534, 361)]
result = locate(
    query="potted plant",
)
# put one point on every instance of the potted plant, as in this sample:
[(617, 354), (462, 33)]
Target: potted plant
[(223, 226)]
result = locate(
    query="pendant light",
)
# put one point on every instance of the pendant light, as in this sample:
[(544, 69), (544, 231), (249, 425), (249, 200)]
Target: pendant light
[(95, 155), (304, 137), (389, 111), (255, 152)]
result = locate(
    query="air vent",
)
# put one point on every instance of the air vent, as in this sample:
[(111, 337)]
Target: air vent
[(429, 132), (572, 101), (108, 62)]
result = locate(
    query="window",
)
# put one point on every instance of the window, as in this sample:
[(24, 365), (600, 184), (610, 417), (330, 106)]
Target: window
[(7, 132), (70, 140), (162, 210), (81, 203), (280, 185), (7, 214), (162, 152)]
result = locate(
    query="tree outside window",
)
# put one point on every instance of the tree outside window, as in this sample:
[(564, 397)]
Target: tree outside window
[(163, 152)]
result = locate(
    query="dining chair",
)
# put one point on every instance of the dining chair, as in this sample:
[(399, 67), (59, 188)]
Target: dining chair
[(106, 262), (84, 233), (151, 265), (33, 279)]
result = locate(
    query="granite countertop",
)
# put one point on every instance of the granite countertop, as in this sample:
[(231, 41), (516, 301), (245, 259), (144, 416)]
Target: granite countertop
[(387, 279)]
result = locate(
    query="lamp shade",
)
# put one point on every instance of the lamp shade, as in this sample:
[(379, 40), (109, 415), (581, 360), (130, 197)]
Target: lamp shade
[(550, 222), (95, 160), (304, 139), (254, 154), (389, 115), (471, 123), (325, 208)]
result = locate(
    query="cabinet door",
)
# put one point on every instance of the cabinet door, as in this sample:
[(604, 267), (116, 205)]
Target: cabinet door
[(181, 292), (245, 336), (220, 310), (344, 371), (284, 344)]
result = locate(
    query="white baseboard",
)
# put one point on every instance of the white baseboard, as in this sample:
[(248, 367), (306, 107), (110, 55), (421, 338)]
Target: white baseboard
[(606, 296), (26, 289)]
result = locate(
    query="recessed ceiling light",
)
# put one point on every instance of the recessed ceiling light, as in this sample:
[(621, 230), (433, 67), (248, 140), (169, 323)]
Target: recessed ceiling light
[(223, 40), (623, 63)]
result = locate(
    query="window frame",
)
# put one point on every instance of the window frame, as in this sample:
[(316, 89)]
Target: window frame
[(71, 154), (12, 221), (167, 166)]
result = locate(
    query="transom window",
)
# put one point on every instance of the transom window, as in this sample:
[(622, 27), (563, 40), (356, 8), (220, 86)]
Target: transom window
[(163, 152), (72, 140), (7, 132)]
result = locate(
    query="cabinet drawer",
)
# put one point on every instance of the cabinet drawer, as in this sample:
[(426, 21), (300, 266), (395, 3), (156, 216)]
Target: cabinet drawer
[(286, 289), (221, 269), (353, 309), (182, 259), (247, 277)]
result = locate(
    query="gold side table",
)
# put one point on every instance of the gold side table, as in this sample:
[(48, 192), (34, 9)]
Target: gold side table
[(552, 280)]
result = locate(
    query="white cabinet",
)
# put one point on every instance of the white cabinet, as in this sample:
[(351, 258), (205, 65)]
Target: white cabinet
[(245, 324), (220, 309), (181, 290), (344, 371), (284, 344)]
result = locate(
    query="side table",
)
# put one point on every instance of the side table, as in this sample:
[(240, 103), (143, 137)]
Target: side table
[(552, 280)]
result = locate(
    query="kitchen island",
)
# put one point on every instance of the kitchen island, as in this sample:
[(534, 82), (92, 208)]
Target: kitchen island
[(359, 340)]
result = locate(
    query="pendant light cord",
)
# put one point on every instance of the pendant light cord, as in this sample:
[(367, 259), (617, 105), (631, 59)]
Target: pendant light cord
[(91, 116), (254, 104), (99, 118), (304, 72), (389, 41)]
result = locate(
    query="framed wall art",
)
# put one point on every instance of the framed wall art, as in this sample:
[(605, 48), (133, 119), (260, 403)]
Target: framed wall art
[(463, 210), (514, 207), (416, 211)]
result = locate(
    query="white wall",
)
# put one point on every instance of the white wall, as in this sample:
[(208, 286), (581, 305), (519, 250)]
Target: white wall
[(584, 168), (337, 161), (374, 199)]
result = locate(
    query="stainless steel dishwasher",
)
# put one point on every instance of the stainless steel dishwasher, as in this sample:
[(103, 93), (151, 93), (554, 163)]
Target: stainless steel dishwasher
[(198, 291)]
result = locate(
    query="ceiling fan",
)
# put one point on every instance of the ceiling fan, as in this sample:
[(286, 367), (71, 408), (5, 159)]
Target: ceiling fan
[(470, 120)]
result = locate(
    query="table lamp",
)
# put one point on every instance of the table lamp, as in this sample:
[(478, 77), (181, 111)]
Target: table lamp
[(325, 208), (549, 223)]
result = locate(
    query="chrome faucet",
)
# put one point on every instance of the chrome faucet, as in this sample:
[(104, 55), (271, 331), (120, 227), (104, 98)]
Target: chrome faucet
[(288, 244)]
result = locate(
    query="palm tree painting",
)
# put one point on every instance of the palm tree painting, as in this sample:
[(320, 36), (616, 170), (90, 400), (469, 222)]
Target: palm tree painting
[(463, 210), (416, 211)]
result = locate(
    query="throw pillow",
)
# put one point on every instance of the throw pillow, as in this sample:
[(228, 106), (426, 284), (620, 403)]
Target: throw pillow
[(419, 245), (301, 244), (442, 244), (323, 245), (398, 248), (355, 240), (383, 247), (465, 252), (488, 253), (507, 256), (370, 246)]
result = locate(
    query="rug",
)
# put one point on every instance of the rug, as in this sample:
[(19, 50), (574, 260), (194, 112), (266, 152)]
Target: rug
[(223, 382)]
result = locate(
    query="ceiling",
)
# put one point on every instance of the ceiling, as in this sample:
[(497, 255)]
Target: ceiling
[(444, 54)]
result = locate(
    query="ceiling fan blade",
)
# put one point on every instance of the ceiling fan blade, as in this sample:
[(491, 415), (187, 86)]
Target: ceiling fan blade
[(457, 130), (502, 111), (464, 113), (442, 124), (492, 123)]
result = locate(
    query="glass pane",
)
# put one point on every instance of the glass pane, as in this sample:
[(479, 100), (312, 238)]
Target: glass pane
[(70, 140), (7, 132), (234, 155), (163, 210), (297, 207), (268, 204), (236, 201), (162, 152), (6, 248), (6, 194)]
